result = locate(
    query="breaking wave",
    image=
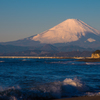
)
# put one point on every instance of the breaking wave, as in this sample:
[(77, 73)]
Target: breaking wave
[(59, 89)]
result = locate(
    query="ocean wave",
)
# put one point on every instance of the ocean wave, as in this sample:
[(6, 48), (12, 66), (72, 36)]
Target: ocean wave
[(73, 62), (2, 61), (93, 94), (24, 60), (59, 89), (92, 63), (63, 62)]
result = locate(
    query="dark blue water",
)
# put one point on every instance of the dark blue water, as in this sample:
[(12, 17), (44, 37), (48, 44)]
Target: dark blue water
[(39, 79)]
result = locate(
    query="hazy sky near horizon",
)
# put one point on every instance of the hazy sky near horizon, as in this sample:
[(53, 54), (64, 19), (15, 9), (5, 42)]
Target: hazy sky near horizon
[(23, 18)]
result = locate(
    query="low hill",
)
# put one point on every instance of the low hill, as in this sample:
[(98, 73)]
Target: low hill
[(96, 54), (11, 48)]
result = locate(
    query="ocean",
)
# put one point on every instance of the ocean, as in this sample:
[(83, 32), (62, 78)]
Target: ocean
[(44, 79)]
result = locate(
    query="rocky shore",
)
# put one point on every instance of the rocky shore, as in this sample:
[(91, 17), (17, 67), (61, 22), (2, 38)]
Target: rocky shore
[(90, 60)]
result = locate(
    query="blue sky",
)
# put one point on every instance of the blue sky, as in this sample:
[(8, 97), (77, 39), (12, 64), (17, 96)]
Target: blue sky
[(24, 18)]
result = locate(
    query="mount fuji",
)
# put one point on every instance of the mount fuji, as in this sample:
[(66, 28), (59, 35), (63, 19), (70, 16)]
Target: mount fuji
[(69, 32)]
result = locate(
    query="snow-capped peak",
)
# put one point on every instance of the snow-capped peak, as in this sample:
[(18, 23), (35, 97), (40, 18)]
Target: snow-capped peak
[(67, 31)]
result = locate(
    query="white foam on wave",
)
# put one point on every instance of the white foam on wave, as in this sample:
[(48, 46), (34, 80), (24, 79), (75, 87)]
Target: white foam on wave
[(1, 61), (92, 63), (74, 82), (3, 88), (67, 88), (13, 98), (24, 60), (10, 93), (73, 87), (93, 94), (64, 62), (59, 89)]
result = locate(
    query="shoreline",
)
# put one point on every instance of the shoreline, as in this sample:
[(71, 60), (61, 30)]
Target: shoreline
[(43, 57), (81, 98), (90, 60), (85, 59)]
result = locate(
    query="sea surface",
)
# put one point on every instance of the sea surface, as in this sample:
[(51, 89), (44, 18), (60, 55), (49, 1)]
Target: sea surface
[(44, 79)]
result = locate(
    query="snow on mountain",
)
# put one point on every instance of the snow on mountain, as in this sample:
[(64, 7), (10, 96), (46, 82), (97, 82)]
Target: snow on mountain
[(91, 40), (69, 30)]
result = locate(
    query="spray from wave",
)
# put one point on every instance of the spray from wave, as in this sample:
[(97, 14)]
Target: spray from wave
[(60, 89)]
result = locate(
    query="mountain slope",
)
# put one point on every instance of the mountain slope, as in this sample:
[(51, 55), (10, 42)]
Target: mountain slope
[(68, 31), (71, 48), (49, 47), (11, 48), (23, 42)]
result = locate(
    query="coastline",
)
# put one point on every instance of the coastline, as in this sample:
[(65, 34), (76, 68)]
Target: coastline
[(81, 98), (90, 60), (85, 59), (43, 57)]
